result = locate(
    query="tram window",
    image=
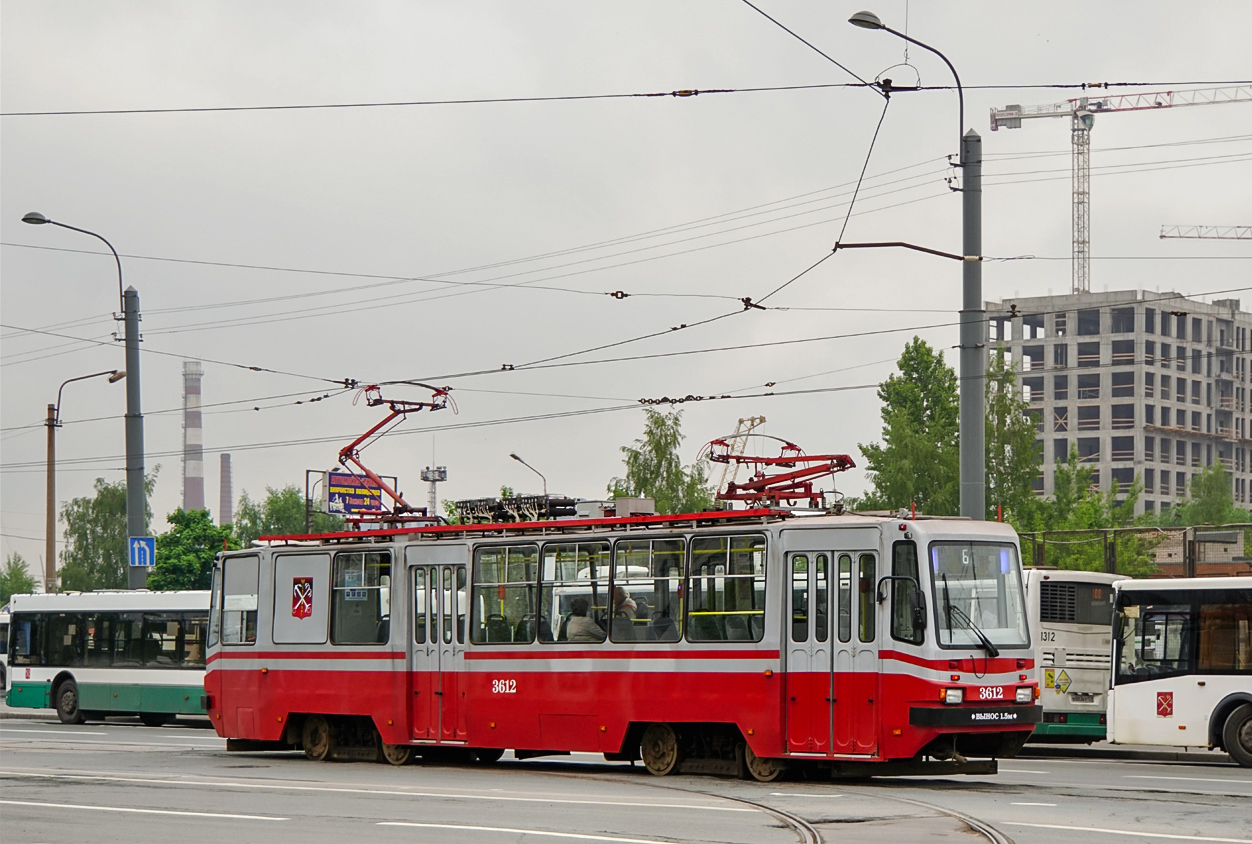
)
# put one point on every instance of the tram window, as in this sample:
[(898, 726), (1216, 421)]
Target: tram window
[(502, 606), (845, 598), (360, 608), (571, 571), (419, 606), (651, 573), (239, 600), (800, 598), (821, 573), (448, 613), (215, 608), (904, 595), (727, 589), (868, 582)]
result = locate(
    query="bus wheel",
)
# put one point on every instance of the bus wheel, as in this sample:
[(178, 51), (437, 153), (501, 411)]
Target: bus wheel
[(659, 749), (489, 756), (1237, 735), (318, 738), (67, 703), (762, 770), (397, 754), (155, 719)]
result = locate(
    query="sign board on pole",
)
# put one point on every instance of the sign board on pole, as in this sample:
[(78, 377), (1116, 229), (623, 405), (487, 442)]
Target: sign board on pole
[(347, 494), (142, 551)]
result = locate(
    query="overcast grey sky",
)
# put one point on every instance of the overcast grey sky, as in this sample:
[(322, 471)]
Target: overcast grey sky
[(400, 242)]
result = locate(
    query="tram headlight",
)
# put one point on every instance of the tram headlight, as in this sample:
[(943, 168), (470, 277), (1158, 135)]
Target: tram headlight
[(1025, 694), (953, 696)]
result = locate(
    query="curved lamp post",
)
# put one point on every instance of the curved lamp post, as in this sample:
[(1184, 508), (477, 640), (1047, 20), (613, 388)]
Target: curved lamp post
[(136, 521), (537, 472), (973, 367), (50, 523)]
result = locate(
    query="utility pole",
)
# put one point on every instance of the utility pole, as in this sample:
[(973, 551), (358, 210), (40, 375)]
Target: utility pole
[(973, 442), (136, 498), (50, 508)]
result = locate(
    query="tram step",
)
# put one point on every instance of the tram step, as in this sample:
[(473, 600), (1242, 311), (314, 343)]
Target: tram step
[(914, 767), (720, 767)]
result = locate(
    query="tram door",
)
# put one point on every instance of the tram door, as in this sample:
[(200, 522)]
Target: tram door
[(438, 649), (807, 634), (855, 678)]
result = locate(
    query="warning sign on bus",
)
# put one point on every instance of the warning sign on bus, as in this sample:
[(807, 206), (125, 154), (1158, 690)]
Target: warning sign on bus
[(347, 494), (1062, 681)]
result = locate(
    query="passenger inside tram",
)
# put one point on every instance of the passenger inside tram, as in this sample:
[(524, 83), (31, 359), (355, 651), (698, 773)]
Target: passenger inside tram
[(580, 628)]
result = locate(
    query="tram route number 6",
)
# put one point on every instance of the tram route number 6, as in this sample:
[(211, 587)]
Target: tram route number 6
[(504, 687), (991, 692)]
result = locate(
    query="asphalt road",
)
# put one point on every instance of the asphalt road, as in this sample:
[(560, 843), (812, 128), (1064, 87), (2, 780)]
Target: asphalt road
[(128, 783)]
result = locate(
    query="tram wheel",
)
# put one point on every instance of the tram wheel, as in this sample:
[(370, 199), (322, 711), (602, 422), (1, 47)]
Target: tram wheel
[(489, 756), (397, 754), (318, 738), (762, 770), (1237, 735), (67, 703), (659, 749)]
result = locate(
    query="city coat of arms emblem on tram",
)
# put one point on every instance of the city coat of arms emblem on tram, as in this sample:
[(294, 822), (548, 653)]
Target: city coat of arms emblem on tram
[(301, 597)]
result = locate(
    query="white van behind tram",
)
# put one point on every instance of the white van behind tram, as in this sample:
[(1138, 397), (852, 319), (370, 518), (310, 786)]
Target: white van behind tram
[(1183, 655), (1070, 612)]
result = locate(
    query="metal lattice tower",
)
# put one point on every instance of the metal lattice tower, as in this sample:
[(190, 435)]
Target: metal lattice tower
[(738, 442), (1082, 111)]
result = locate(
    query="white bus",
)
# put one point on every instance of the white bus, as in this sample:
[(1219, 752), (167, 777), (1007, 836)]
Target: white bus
[(93, 654), (1183, 650), (1071, 613)]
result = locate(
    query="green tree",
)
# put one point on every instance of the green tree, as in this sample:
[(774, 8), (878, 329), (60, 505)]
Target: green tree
[(95, 537), (282, 513), (918, 460), (1012, 450), (1209, 501), (655, 470), (15, 579), (184, 554)]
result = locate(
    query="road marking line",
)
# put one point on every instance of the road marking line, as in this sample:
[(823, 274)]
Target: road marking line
[(1130, 832), (126, 743), (1032, 804), (53, 732), (1227, 781), (1021, 771), (140, 811), (381, 792), (514, 831), (790, 794)]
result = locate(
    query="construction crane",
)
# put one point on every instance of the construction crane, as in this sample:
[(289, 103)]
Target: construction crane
[(1207, 232), (738, 442), (1081, 112)]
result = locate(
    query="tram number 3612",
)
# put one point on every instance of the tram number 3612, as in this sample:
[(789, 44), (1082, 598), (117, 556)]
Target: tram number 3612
[(991, 692), (503, 687)]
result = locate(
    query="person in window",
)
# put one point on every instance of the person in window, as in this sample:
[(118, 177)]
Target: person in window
[(580, 628), (624, 606)]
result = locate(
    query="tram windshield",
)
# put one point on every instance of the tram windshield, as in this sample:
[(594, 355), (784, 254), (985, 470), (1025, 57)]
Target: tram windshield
[(978, 595)]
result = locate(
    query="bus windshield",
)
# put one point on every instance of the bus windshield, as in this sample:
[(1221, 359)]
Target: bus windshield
[(978, 596)]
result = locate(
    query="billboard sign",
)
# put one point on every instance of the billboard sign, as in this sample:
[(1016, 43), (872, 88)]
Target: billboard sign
[(347, 494)]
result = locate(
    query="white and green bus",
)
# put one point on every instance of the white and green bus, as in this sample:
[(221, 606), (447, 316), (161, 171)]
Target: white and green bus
[(93, 654)]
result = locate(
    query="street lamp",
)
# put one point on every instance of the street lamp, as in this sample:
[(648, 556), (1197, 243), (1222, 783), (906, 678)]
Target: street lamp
[(537, 472), (973, 361), (136, 523), (54, 422)]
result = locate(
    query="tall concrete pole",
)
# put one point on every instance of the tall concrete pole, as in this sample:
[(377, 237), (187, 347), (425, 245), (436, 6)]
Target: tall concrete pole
[(136, 498), (50, 526), (973, 373)]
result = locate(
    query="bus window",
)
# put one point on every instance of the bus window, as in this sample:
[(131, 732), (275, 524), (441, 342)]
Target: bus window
[(128, 639), (799, 598), (98, 643), (904, 595), (195, 628), (64, 639), (239, 600), (360, 609), (570, 571), (727, 589), (504, 594), (868, 587), (845, 598), (1225, 638), (24, 631), (1155, 640), (162, 639)]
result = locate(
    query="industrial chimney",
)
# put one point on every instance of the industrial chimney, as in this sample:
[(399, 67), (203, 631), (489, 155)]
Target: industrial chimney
[(193, 438)]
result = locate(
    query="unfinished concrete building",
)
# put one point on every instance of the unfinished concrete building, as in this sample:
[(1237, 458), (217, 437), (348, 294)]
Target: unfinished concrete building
[(1149, 384)]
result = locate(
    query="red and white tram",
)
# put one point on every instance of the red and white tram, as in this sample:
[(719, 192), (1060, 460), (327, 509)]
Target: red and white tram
[(753, 638)]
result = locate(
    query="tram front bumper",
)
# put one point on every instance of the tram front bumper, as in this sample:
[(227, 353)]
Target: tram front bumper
[(974, 716)]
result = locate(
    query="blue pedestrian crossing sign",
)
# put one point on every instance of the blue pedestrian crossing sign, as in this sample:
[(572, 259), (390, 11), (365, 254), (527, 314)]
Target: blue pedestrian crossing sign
[(142, 551)]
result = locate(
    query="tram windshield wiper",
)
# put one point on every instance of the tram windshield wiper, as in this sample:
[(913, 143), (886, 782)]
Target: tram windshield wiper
[(951, 610)]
